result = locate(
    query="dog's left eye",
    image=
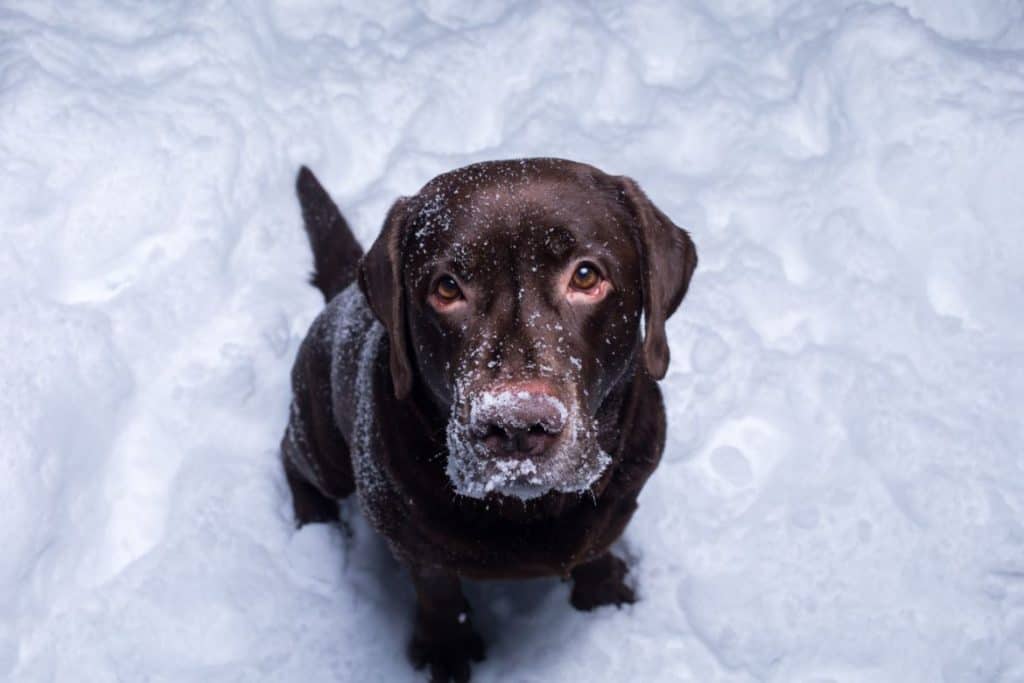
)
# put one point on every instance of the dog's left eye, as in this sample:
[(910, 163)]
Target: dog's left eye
[(585, 277), (447, 289)]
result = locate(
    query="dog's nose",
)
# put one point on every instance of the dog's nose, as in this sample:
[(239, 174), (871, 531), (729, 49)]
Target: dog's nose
[(521, 441), (518, 422)]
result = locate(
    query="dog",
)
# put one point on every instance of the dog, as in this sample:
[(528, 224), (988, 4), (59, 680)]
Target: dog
[(480, 380)]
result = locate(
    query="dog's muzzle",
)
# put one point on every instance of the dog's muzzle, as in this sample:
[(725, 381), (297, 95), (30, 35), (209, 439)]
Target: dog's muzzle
[(517, 421)]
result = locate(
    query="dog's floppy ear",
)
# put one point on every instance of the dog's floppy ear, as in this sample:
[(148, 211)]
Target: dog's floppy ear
[(380, 278), (669, 259)]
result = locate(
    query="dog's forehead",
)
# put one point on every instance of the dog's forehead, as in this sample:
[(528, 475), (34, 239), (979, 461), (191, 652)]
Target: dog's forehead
[(544, 207)]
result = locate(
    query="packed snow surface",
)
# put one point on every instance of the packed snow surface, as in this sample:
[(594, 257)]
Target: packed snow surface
[(842, 493)]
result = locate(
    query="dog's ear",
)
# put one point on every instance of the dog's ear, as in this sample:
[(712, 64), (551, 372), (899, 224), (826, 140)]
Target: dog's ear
[(380, 278), (669, 259)]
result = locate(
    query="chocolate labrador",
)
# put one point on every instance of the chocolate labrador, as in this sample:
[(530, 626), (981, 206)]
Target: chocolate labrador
[(480, 381)]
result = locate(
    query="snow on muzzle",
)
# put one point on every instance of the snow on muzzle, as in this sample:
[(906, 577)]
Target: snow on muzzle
[(517, 422), (520, 440)]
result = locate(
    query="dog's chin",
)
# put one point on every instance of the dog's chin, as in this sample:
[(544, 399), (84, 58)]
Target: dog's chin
[(478, 473), (522, 479)]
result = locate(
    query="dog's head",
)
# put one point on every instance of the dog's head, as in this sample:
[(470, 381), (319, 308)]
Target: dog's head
[(514, 292)]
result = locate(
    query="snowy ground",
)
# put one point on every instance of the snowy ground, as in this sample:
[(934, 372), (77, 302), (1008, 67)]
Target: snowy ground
[(842, 496)]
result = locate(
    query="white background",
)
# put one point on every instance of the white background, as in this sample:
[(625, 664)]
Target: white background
[(842, 492)]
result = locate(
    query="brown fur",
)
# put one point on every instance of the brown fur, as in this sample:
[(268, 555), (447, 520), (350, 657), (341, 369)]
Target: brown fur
[(497, 217)]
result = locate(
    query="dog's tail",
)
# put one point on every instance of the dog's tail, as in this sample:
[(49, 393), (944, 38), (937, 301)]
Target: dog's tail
[(336, 252)]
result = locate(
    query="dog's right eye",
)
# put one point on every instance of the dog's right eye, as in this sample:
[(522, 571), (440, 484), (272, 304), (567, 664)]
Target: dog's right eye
[(447, 289)]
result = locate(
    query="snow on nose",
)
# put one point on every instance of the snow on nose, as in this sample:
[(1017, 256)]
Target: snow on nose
[(520, 420)]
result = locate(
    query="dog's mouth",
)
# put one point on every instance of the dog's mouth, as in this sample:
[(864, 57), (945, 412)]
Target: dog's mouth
[(521, 444)]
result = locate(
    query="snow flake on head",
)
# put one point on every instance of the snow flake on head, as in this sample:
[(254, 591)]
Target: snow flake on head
[(434, 215)]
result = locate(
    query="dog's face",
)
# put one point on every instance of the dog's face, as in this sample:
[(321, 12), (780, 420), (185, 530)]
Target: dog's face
[(513, 291)]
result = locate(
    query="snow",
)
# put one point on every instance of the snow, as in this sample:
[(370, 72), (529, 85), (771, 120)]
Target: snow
[(573, 465), (842, 493), (486, 405)]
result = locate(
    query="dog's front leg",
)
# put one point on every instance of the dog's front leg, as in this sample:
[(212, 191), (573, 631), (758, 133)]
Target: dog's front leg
[(443, 637), (601, 581)]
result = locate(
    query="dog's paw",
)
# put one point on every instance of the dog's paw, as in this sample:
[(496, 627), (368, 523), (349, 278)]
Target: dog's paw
[(601, 582), (447, 658), (586, 598)]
